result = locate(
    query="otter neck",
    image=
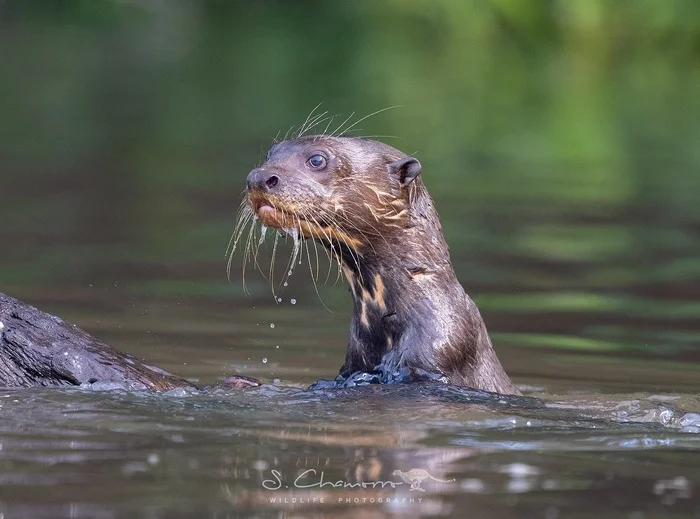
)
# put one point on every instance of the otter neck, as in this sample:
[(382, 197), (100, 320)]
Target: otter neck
[(393, 288)]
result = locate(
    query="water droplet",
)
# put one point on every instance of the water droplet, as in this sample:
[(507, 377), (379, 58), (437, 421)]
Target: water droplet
[(290, 273), (286, 284), (260, 465), (279, 299), (277, 347), (272, 325), (293, 301), (264, 360)]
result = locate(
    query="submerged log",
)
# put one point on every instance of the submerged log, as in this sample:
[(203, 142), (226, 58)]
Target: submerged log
[(39, 349)]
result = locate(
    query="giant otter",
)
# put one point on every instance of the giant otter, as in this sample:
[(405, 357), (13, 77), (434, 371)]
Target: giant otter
[(366, 203)]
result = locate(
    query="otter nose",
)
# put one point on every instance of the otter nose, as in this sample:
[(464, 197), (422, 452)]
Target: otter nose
[(261, 179)]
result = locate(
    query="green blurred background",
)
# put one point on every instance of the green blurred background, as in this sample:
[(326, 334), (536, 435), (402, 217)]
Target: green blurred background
[(559, 140)]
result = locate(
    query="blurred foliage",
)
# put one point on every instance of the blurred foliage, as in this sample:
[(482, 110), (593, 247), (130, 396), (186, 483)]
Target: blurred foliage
[(559, 138)]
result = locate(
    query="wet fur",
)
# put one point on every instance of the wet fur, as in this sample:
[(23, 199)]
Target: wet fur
[(383, 230)]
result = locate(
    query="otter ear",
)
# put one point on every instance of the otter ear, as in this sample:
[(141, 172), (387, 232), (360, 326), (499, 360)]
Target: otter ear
[(407, 169)]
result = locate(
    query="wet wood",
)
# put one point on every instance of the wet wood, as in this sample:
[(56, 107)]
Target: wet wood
[(39, 349)]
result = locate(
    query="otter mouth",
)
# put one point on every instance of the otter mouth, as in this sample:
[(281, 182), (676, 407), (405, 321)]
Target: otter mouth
[(270, 216), (290, 223), (286, 221)]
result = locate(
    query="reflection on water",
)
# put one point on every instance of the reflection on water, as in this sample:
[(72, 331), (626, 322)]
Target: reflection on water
[(276, 448), (560, 145)]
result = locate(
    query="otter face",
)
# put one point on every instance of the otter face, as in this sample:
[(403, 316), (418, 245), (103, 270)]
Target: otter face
[(333, 188), (292, 182)]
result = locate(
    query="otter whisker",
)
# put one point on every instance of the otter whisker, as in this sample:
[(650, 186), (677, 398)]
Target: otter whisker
[(300, 233), (246, 254), (263, 232), (293, 233), (235, 237), (233, 241), (320, 234), (364, 233), (353, 254), (242, 206), (338, 274), (295, 251), (333, 133), (308, 256), (301, 128), (272, 264), (346, 130), (313, 280), (325, 131), (347, 223), (243, 211), (320, 121), (287, 133), (317, 262), (286, 235), (378, 136), (333, 254), (320, 231), (312, 123), (361, 232)]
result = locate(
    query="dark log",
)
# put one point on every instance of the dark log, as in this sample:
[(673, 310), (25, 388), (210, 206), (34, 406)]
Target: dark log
[(38, 349)]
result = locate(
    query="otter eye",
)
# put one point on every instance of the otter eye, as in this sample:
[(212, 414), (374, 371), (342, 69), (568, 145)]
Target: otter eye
[(316, 161)]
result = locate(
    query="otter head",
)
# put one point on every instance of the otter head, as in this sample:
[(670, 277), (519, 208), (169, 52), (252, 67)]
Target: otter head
[(349, 193)]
